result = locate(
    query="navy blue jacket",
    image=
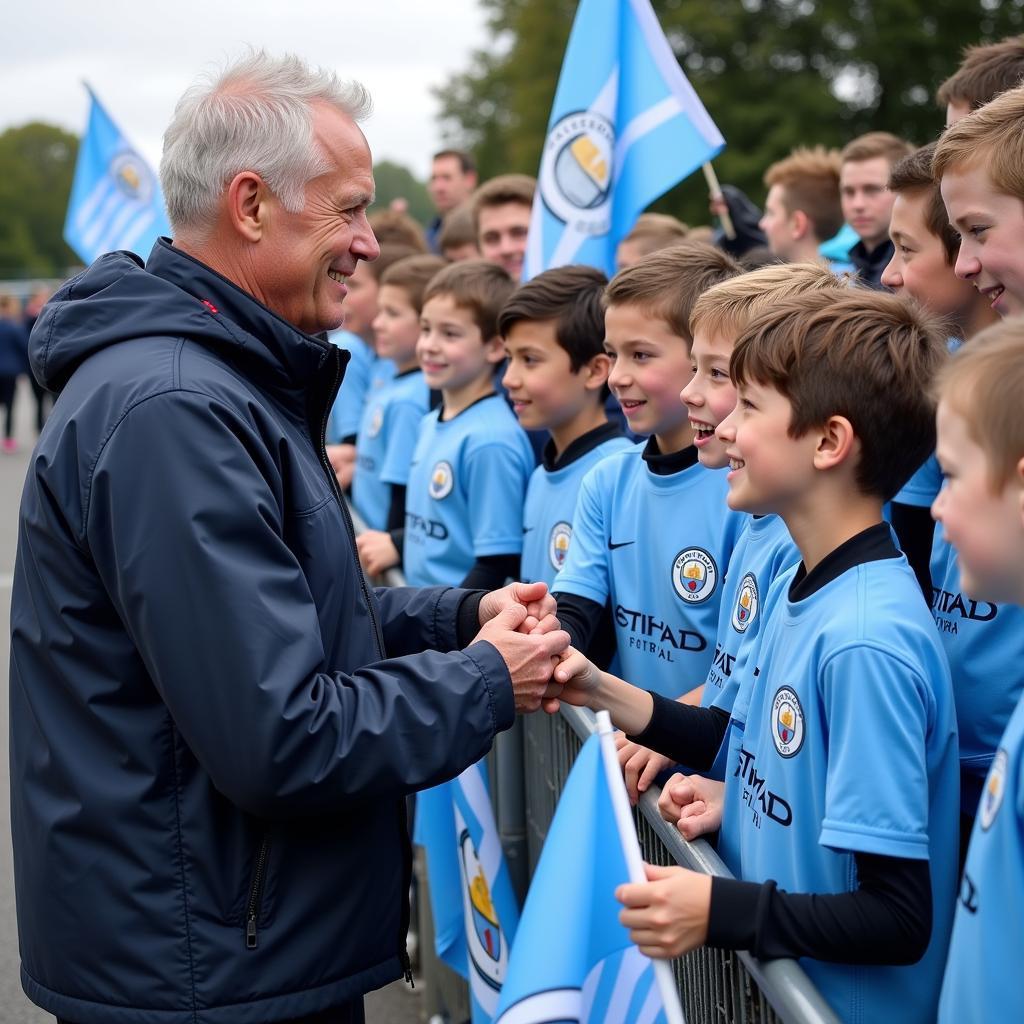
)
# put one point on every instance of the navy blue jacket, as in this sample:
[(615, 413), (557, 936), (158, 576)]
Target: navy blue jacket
[(209, 750)]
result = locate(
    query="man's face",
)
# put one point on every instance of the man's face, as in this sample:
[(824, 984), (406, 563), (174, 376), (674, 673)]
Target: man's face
[(777, 223), (991, 226), (449, 185), (866, 199), (302, 260), (502, 234)]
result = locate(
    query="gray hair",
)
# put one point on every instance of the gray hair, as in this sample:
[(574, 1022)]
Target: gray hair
[(255, 115)]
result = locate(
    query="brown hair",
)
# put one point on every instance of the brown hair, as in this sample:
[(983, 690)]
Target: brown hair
[(654, 231), (728, 307), (984, 382), (466, 162), (666, 284), (412, 274), (457, 228), (398, 229), (984, 73), (994, 136), (875, 144), (865, 355), (505, 188), (809, 179), (477, 286), (390, 252), (913, 176)]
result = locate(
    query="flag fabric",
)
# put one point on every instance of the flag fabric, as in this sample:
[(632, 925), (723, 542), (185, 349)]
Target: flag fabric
[(474, 906), (625, 127), (115, 201), (572, 960)]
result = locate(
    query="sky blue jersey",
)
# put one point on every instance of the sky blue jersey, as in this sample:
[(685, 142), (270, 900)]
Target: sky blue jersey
[(658, 547), (983, 974), (384, 446), (550, 502), (364, 373), (850, 747), (465, 493)]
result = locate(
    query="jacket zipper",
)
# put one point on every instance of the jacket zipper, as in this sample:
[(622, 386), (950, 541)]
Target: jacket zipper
[(252, 910), (403, 924)]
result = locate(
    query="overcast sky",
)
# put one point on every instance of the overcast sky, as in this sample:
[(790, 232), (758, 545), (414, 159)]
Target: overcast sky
[(140, 57)]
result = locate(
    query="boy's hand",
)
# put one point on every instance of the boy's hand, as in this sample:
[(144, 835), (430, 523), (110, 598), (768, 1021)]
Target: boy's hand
[(640, 766), (534, 597), (342, 458), (693, 804), (377, 551), (668, 914), (579, 677)]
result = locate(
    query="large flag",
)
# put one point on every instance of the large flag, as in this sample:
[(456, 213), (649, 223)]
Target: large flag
[(572, 960), (115, 198), (471, 896), (625, 127)]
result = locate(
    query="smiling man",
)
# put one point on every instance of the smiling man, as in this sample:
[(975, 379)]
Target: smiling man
[(215, 720)]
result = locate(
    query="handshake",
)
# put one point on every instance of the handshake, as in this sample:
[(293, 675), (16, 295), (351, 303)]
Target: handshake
[(520, 622)]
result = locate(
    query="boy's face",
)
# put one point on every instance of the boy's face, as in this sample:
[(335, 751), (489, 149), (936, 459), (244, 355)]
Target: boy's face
[(545, 391), (360, 304), (777, 223), (985, 527), (650, 365), (991, 226), (451, 350), (502, 235), (458, 253), (919, 267), (396, 327), (710, 395), (866, 199), (768, 469)]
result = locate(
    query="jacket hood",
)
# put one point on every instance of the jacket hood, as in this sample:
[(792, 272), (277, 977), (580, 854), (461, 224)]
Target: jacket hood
[(118, 299)]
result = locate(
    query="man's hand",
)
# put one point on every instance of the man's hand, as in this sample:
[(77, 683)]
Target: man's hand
[(640, 766), (534, 597), (530, 657), (668, 914), (693, 804), (343, 461), (377, 551)]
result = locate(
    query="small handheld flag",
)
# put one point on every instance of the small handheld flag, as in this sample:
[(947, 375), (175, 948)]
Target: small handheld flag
[(115, 198)]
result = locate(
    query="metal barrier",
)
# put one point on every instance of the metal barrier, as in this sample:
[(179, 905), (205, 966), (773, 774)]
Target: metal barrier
[(715, 986)]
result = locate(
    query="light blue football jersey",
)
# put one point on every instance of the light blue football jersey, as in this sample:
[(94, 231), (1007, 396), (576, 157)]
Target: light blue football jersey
[(983, 974), (465, 493), (850, 747), (551, 501), (365, 372), (385, 443), (658, 547)]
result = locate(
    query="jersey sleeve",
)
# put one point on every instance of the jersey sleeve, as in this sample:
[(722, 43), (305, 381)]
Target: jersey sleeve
[(403, 429), (496, 477), (924, 486), (347, 411), (585, 572), (878, 706)]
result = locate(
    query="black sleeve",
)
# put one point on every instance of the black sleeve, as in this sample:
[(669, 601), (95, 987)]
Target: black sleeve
[(580, 618), (689, 735), (915, 529), (467, 623), (348, 439), (489, 572), (396, 511), (886, 920)]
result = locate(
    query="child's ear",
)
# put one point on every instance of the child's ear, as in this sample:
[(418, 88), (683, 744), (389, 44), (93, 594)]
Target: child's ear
[(494, 349), (596, 370), (801, 224), (837, 442)]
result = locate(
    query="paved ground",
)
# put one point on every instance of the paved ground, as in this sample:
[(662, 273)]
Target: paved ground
[(393, 1005)]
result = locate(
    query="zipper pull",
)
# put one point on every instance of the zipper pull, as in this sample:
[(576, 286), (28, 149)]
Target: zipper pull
[(407, 966), (250, 933)]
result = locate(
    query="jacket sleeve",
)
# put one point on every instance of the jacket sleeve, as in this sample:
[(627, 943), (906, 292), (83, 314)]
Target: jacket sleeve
[(415, 619), (183, 517)]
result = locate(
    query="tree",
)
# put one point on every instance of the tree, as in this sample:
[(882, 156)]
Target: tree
[(37, 163), (393, 182), (772, 73)]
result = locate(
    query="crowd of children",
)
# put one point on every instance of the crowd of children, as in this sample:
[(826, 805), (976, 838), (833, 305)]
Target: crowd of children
[(756, 589)]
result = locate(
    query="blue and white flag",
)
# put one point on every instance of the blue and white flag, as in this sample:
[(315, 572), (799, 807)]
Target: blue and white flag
[(625, 127), (471, 896), (115, 198), (573, 962)]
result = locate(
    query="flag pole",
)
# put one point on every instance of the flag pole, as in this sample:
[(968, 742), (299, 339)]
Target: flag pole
[(716, 193), (634, 860)]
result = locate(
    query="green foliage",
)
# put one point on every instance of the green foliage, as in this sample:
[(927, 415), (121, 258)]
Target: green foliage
[(773, 74), (37, 163), (393, 182)]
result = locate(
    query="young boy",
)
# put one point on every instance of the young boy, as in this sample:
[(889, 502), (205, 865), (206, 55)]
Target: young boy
[(651, 232), (464, 503), (387, 433), (984, 73), (660, 569), (981, 449), (840, 812), (557, 380), (979, 163), (501, 213)]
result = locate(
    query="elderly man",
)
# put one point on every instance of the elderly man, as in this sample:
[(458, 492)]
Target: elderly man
[(214, 720)]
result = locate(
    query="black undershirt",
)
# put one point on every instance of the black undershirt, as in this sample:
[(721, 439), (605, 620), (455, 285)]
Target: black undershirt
[(886, 920), (915, 530)]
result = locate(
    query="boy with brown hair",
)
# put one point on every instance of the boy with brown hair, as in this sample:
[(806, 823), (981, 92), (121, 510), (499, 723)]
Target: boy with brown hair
[(661, 573), (501, 215), (838, 818), (651, 232), (456, 239), (865, 165), (984, 73)]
